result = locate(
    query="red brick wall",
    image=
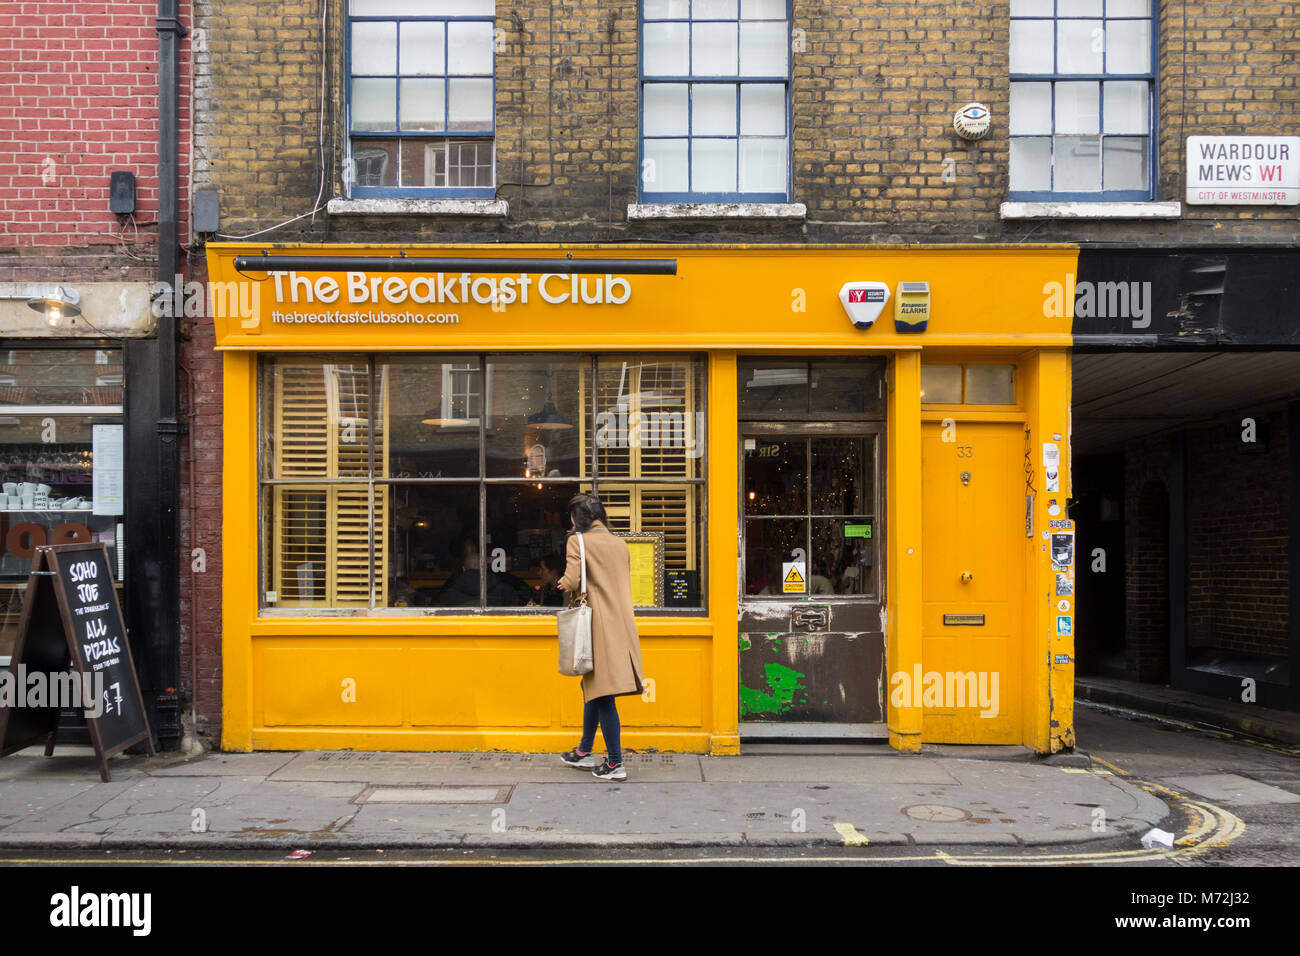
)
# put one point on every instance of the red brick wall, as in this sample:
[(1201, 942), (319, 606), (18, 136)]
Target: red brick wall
[(78, 100), (1237, 516), (200, 518)]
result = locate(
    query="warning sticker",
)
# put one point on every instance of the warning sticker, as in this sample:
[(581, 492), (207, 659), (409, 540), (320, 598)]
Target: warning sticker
[(793, 578)]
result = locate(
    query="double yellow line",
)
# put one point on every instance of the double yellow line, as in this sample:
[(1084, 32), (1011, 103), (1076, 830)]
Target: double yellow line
[(1212, 828)]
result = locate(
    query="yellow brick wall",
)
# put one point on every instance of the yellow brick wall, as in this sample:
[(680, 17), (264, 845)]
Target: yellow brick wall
[(874, 90)]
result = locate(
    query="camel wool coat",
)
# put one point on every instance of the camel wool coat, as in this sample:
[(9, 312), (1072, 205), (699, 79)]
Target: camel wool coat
[(615, 646)]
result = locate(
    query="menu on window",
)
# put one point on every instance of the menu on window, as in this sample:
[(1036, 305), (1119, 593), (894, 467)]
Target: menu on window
[(108, 470), (645, 551)]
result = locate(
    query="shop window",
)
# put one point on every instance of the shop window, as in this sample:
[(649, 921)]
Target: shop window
[(443, 481), (61, 462), (795, 389), (715, 79), (968, 384), (1082, 85), (811, 435), (421, 98)]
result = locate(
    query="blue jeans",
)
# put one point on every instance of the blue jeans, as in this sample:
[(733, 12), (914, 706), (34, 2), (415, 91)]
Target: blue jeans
[(601, 711)]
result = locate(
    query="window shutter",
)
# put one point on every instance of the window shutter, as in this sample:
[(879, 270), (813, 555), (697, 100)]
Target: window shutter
[(671, 510), (301, 431), (298, 553), (323, 536), (646, 411)]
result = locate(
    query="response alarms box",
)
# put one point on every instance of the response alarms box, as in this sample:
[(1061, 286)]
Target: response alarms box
[(912, 307)]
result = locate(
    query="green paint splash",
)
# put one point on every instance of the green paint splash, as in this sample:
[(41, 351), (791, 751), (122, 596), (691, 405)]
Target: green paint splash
[(744, 643), (783, 683)]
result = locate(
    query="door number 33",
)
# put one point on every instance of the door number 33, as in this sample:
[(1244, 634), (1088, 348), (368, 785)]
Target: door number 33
[(965, 451)]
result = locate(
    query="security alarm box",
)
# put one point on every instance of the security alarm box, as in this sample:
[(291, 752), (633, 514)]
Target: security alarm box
[(912, 307)]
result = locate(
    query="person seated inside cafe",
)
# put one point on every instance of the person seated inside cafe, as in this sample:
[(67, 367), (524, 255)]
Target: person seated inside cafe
[(462, 589), (551, 569)]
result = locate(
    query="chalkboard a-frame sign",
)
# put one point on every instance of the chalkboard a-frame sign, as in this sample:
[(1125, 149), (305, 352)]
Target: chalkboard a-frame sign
[(70, 610)]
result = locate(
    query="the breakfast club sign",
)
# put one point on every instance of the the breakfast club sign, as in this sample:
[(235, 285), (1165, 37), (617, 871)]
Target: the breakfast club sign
[(435, 298), (1243, 170)]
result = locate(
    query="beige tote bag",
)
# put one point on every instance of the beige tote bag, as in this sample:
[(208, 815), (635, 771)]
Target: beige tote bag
[(575, 629)]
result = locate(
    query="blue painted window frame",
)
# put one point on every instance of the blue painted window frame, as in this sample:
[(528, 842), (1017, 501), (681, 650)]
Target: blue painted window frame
[(354, 137), (1150, 78), (739, 79)]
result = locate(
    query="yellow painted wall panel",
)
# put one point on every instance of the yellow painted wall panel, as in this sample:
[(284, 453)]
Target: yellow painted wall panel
[(680, 684), (305, 687), (480, 686)]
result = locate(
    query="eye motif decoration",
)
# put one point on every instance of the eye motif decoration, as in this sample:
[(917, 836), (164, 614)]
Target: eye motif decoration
[(972, 121)]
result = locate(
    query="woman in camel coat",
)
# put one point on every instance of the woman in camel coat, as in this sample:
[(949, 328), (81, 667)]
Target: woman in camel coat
[(615, 646)]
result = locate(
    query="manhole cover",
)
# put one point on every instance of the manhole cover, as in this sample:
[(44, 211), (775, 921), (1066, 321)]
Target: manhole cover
[(433, 795), (936, 813)]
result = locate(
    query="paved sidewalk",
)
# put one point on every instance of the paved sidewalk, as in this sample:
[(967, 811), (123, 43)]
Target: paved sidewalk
[(343, 799), (1279, 726)]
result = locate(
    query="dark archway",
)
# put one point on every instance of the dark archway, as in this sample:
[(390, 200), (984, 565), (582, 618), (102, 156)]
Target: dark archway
[(1098, 513)]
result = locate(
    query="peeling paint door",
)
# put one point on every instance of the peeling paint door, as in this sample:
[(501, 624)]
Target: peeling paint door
[(973, 541), (811, 503), (811, 642)]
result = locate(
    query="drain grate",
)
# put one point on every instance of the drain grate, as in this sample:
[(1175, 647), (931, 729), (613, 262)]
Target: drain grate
[(433, 795), (936, 813)]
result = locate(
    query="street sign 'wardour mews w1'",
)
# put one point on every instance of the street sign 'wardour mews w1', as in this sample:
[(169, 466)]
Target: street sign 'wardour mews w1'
[(1243, 170)]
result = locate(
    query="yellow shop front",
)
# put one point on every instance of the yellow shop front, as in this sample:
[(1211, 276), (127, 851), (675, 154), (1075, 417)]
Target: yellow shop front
[(842, 474)]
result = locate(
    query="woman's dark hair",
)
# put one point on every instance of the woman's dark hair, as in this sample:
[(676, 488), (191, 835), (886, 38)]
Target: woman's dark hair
[(585, 508)]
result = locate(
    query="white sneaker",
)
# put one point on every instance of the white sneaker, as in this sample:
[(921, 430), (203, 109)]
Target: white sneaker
[(575, 759)]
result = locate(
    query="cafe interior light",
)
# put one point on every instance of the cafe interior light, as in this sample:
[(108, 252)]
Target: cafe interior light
[(434, 417), (549, 417)]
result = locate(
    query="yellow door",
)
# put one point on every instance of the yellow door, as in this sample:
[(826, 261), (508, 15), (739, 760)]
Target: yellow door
[(973, 536)]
